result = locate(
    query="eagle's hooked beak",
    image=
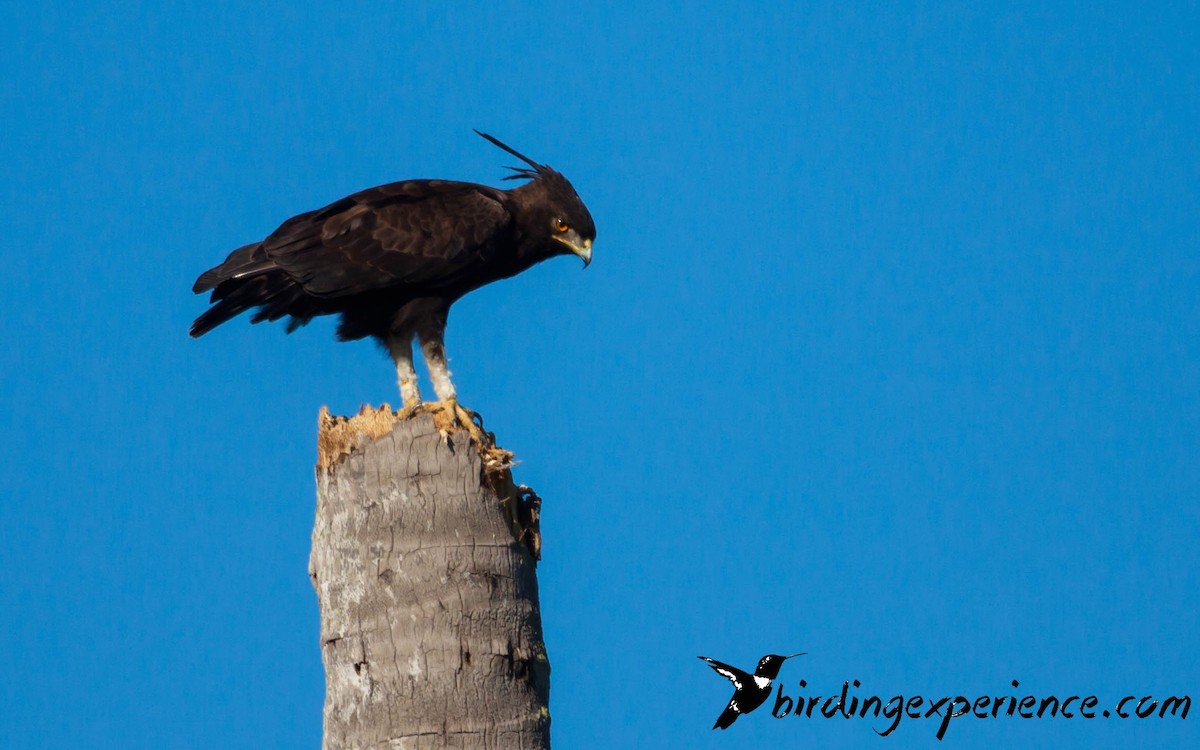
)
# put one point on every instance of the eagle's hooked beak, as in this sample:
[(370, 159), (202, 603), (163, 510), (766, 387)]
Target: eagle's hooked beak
[(577, 245)]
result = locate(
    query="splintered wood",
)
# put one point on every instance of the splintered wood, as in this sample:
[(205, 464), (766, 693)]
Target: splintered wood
[(340, 437)]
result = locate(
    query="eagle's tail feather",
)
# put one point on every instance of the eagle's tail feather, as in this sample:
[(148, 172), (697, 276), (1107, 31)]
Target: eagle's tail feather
[(248, 260), (273, 292)]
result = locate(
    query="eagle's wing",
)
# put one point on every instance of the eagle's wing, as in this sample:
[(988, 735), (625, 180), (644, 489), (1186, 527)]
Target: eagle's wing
[(418, 232), (733, 674)]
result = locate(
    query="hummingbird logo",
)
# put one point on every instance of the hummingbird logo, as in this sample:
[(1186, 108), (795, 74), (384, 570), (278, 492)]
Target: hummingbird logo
[(749, 690)]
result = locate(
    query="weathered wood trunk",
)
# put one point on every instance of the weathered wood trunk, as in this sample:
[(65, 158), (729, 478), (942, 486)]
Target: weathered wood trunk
[(431, 632)]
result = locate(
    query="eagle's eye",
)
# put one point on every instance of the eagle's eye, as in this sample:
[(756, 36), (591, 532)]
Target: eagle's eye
[(561, 226)]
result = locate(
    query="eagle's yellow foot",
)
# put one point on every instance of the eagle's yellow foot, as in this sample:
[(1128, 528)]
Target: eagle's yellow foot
[(449, 416), (409, 409)]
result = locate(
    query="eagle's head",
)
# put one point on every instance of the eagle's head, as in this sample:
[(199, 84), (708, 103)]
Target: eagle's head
[(558, 217), (553, 219)]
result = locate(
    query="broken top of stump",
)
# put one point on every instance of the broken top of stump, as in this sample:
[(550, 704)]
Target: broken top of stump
[(338, 438)]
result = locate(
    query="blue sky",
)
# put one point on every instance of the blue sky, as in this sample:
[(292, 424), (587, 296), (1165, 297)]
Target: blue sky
[(889, 353)]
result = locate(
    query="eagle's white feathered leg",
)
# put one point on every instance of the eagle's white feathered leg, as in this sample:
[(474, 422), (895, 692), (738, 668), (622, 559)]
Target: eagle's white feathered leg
[(406, 374), (439, 369), (449, 414)]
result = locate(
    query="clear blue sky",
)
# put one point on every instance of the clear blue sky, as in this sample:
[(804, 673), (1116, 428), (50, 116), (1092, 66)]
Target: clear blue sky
[(889, 353)]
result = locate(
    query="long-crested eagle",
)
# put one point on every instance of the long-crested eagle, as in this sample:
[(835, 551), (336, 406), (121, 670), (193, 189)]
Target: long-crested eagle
[(391, 261)]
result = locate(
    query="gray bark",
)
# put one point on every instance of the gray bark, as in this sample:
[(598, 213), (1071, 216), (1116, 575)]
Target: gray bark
[(424, 569)]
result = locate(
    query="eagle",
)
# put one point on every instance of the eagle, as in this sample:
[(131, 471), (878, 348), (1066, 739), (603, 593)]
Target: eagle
[(392, 259)]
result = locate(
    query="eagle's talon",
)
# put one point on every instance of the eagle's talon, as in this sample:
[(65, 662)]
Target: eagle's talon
[(465, 415), (471, 422), (449, 416), (409, 410)]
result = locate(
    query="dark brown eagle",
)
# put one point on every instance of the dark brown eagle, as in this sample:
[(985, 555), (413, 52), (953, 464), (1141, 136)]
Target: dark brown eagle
[(391, 261)]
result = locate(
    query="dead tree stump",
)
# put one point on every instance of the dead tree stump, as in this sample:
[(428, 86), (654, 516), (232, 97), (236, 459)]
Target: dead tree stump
[(423, 560)]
